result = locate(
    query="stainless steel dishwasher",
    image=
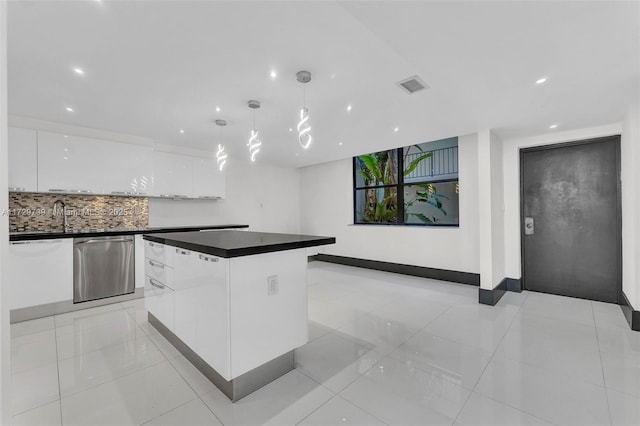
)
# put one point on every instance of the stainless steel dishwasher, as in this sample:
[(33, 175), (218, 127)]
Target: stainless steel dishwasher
[(102, 267)]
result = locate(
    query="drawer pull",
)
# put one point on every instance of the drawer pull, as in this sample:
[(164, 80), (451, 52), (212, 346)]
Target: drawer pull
[(16, 188), (156, 264), (156, 284), (156, 245), (208, 259), (183, 252)]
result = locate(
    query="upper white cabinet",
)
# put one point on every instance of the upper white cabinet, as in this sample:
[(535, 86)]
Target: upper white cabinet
[(69, 163), (23, 160), (53, 162), (172, 176), (182, 176), (208, 180), (129, 169), (77, 164)]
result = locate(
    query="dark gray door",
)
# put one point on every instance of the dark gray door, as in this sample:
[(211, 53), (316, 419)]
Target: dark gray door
[(571, 230)]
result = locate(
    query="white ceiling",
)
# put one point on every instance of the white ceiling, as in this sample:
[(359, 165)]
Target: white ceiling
[(153, 68)]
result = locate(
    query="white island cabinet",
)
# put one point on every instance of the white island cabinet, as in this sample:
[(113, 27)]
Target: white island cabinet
[(237, 303)]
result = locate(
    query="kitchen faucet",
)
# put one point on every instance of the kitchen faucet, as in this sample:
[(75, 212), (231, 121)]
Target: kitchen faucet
[(65, 221)]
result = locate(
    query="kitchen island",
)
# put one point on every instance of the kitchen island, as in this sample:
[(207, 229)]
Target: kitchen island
[(234, 303)]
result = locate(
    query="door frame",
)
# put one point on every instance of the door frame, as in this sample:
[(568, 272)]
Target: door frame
[(614, 139)]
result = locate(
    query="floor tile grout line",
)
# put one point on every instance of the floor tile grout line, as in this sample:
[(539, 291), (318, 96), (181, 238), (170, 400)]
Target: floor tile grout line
[(493, 354), (55, 332), (198, 396), (167, 412), (335, 395), (604, 379), (106, 346)]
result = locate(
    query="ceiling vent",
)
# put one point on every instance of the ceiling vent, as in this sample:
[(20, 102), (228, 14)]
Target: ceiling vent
[(412, 84)]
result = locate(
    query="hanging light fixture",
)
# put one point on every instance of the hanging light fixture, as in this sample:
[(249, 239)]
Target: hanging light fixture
[(254, 140), (221, 156), (304, 129)]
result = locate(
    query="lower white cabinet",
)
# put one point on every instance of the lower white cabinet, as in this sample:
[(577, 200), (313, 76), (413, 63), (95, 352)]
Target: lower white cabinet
[(40, 272), (158, 300), (201, 307)]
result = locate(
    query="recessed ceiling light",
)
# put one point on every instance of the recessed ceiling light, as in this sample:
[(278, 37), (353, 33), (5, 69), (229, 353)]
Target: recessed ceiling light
[(182, 131), (69, 109), (333, 75), (273, 74), (340, 143), (395, 130), (349, 108), (297, 154), (541, 80), (78, 71), (290, 129), (553, 126), (217, 109)]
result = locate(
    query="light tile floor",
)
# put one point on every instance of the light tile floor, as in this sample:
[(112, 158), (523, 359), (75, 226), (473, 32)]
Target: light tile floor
[(384, 349)]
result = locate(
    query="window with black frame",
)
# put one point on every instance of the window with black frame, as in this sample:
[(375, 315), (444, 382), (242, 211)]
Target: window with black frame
[(414, 185)]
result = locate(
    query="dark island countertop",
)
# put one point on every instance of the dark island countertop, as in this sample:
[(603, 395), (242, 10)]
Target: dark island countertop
[(47, 235), (235, 244)]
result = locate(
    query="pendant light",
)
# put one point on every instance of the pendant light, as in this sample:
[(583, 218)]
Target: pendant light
[(221, 156), (254, 140), (304, 129)]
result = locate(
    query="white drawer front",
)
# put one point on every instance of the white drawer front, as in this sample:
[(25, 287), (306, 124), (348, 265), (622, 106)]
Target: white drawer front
[(158, 271)]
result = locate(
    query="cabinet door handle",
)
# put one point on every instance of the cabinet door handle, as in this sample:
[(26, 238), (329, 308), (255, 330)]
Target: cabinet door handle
[(208, 259), (156, 264), (16, 188), (154, 244), (183, 252), (208, 197), (156, 284)]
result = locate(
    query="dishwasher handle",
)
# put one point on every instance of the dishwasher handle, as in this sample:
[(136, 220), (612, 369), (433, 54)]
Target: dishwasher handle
[(119, 240)]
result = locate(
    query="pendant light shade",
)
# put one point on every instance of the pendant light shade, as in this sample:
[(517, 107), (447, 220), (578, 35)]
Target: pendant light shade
[(254, 140), (304, 128), (221, 156)]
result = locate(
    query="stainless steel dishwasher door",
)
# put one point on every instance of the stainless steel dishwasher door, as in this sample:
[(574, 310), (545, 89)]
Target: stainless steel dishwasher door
[(102, 267)]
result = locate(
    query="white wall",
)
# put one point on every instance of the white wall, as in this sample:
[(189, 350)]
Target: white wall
[(511, 166), (497, 212), (630, 152), (267, 198), (5, 371), (490, 209), (326, 208)]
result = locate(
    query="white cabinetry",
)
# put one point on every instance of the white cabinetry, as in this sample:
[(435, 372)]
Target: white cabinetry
[(172, 175), (77, 164), (208, 180), (158, 289), (126, 169), (201, 307), (70, 164), (40, 272), (23, 160)]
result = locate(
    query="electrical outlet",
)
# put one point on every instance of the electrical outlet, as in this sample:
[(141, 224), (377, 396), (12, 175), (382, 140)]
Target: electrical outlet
[(272, 285)]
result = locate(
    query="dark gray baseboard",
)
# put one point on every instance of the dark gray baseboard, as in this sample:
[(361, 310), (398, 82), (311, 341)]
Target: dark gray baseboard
[(632, 316), (398, 268), (514, 284), (239, 387), (491, 297), (48, 309)]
